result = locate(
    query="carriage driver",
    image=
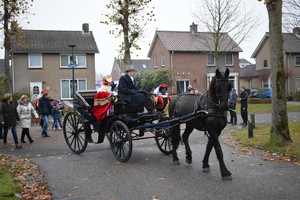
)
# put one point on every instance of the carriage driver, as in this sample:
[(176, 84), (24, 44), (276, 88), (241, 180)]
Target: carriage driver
[(128, 91)]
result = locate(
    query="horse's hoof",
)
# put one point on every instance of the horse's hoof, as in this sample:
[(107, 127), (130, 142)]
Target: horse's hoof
[(176, 162), (188, 161), (207, 169), (227, 178)]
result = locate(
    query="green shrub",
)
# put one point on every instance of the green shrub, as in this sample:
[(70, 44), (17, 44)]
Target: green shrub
[(297, 96), (258, 101), (290, 97), (16, 96)]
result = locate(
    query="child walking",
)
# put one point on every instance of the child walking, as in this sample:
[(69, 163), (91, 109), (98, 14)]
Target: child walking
[(56, 116)]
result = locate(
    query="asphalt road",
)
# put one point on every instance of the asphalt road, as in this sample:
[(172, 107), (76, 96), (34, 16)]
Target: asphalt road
[(96, 175)]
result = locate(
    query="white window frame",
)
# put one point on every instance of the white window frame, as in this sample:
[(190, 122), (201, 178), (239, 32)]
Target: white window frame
[(297, 65), (211, 65), (155, 62), (185, 85), (163, 60), (41, 60), (69, 87), (69, 59), (264, 63), (231, 64)]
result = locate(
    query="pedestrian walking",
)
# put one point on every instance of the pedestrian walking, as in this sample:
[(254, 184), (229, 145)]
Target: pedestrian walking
[(232, 106), (56, 116), (9, 118), (44, 109), (25, 108), (244, 105)]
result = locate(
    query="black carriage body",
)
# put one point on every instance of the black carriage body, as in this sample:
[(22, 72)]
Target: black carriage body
[(132, 116), (118, 127)]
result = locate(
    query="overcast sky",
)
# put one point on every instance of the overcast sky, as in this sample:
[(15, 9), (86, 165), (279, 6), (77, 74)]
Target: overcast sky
[(173, 15)]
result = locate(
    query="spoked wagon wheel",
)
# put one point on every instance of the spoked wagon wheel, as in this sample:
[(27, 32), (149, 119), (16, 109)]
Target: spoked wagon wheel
[(120, 141), (163, 141), (74, 132)]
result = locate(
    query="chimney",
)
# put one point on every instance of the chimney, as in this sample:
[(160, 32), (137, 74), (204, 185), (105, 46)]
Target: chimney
[(194, 28), (85, 28), (296, 31)]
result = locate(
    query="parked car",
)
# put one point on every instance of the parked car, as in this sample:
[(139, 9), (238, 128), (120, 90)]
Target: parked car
[(267, 93), (252, 92)]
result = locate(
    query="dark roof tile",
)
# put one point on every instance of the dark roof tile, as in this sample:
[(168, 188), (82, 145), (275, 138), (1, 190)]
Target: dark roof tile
[(49, 41)]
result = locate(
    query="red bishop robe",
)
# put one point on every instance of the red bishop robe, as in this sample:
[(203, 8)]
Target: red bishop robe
[(102, 105)]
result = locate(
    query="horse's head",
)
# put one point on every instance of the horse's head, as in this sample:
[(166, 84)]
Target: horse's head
[(221, 89)]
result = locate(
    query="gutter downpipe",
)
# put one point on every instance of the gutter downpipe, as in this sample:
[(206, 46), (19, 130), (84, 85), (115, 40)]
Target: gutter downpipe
[(172, 53), (12, 72), (288, 78)]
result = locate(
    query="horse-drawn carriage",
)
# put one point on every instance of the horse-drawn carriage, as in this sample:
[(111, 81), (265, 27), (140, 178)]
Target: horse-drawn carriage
[(202, 112), (120, 127)]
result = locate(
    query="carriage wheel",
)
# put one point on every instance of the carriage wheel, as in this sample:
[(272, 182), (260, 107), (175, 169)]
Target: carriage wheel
[(74, 132), (163, 142), (120, 141)]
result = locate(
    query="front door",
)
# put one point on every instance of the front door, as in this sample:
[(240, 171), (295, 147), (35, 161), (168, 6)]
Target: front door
[(35, 90)]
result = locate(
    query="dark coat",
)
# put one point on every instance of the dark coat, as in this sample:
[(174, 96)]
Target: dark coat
[(244, 98), (9, 114), (129, 92), (44, 107)]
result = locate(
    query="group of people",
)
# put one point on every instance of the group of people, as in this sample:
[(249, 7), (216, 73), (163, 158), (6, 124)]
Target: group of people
[(11, 115)]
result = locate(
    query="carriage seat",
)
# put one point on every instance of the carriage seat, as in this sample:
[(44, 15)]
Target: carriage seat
[(122, 107)]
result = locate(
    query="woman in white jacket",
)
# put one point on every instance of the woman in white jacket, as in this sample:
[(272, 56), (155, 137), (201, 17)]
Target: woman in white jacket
[(25, 109)]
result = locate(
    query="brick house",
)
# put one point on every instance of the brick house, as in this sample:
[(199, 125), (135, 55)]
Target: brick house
[(250, 77), (187, 53), (40, 61), (291, 59), (118, 69)]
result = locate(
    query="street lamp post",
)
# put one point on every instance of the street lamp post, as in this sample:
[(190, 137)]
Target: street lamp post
[(73, 64)]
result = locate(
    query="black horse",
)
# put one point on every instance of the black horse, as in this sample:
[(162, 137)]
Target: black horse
[(212, 121)]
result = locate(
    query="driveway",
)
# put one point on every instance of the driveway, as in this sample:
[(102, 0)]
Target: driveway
[(95, 174)]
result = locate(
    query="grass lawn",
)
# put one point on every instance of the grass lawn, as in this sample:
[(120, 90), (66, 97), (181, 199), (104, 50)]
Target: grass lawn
[(264, 108), (262, 135), (8, 186)]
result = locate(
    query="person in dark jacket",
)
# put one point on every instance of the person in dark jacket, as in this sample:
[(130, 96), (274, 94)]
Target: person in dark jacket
[(129, 92), (44, 109), (244, 105), (232, 106), (9, 118)]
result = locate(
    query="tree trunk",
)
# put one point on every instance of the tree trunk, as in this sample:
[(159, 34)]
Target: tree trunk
[(280, 130), (7, 46), (127, 45)]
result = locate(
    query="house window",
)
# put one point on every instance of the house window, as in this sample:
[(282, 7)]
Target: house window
[(182, 86), (65, 61), (210, 60), (163, 60), (67, 85), (35, 90), (155, 62), (265, 63), (35, 61), (297, 61), (229, 59)]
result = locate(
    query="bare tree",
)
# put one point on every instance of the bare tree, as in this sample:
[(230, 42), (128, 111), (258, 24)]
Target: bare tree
[(132, 16), (280, 129), (220, 18), (291, 14), (10, 12)]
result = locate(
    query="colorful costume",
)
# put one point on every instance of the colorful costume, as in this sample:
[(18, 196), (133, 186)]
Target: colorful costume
[(162, 99), (102, 103)]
